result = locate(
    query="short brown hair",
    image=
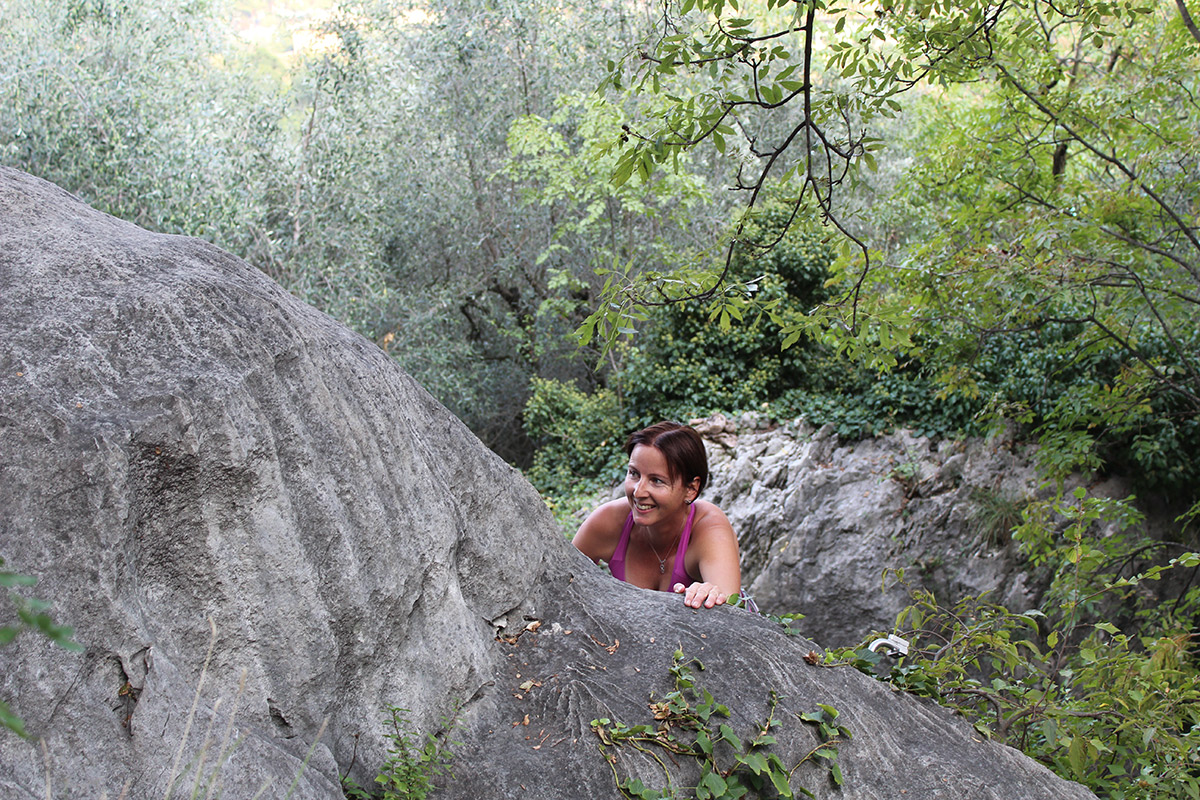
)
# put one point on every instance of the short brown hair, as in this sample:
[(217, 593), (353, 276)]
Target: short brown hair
[(680, 445)]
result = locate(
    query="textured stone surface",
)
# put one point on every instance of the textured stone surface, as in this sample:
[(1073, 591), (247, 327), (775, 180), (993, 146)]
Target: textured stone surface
[(605, 651), (819, 521), (185, 447), (181, 440)]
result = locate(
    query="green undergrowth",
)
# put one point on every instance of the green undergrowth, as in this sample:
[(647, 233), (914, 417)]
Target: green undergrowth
[(689, 723), (1101, 683), (413, 761)]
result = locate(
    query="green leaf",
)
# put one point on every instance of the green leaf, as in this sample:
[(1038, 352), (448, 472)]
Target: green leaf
[(624, 168), (714, 784), (1076, 753), (11, 579), (729, 737), (755, 761), (11, 721), (780, 780)]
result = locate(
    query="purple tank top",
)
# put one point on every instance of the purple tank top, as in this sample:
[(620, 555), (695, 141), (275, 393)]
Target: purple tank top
[(616, 564)]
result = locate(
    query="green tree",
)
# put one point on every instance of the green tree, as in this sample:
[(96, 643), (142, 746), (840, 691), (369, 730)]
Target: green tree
[(466, 252), (1058, 186), (692, 360), (123, 103)]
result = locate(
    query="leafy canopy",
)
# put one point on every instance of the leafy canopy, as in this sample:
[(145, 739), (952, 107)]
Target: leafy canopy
[(1054, 187)]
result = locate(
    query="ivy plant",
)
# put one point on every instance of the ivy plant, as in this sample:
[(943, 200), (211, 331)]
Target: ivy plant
[(688, 722), (31, 615)]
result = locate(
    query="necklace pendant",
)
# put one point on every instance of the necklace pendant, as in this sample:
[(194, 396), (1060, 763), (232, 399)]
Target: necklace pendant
[(662, 567)]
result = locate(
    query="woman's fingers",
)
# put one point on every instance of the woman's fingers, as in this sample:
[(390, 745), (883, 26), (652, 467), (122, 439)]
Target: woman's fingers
[(701, 594)]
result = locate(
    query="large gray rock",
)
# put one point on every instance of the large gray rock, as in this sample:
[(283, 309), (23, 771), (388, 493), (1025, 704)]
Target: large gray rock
[(817, 518), (185, 448)]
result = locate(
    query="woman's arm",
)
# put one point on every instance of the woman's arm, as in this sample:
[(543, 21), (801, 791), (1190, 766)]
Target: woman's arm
[(716, 558), (597, 537)]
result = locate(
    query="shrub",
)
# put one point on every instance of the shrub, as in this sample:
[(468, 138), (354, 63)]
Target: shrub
[(579, 439), (686, 364), (412, 762), (1102, 684)]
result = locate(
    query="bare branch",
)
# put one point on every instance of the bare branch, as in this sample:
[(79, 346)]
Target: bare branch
[(1188, 22)]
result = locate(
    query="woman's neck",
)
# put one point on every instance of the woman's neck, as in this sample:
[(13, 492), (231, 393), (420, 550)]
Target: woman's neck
[(668, 530)]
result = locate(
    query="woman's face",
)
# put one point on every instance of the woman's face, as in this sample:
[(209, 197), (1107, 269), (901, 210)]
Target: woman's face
[(653, 495)]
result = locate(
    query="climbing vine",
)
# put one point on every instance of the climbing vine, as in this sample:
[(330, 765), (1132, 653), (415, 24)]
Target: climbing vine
[(688, 722)]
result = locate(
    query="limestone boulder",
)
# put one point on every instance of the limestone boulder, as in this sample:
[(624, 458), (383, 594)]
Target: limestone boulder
[(818, 518), (265, 533)]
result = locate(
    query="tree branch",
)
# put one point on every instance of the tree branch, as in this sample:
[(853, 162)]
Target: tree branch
[(1188, 22)]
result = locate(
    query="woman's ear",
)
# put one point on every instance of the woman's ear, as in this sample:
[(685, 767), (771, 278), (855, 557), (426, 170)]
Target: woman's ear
[(693, 489)]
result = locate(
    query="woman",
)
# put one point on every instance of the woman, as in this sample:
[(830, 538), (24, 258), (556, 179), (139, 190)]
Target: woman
[(660, 536)]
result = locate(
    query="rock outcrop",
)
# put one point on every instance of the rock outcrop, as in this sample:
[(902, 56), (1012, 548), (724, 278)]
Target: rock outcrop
[(186, 449), (818, 519)]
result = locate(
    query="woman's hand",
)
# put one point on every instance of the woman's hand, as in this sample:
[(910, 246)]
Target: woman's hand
[(701, 594)]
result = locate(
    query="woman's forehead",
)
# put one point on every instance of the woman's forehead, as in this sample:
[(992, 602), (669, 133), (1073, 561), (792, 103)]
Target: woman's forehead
[(649, 458)]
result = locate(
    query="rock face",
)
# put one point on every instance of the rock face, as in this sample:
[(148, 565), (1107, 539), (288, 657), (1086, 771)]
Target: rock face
[(818, 519), (264, 533)]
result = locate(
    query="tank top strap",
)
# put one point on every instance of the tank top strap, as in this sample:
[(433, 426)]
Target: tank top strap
[(679, 573), (616, 564)]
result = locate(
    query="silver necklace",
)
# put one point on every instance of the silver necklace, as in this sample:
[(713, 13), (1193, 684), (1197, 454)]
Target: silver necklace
[(662, 560)]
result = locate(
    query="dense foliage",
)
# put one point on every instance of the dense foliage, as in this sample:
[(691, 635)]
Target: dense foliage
[(692, 360), (1101, 683), (1050, 195)]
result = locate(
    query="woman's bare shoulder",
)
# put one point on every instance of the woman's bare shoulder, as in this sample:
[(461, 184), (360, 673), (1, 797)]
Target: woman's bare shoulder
[(611, 513), (607, 520), (711, 522), (598, 536), (708, 514)]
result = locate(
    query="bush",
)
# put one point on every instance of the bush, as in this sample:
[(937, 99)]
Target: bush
[(579, 439), (686, 365), (1102, 684)]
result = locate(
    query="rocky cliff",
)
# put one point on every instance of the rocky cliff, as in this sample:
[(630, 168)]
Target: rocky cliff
[(819, 521), (264, 533)]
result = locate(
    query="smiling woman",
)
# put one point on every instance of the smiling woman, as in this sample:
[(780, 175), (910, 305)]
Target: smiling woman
[(660, 535)]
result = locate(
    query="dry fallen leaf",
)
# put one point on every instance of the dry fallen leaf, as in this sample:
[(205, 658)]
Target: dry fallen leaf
[(812, 658)]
